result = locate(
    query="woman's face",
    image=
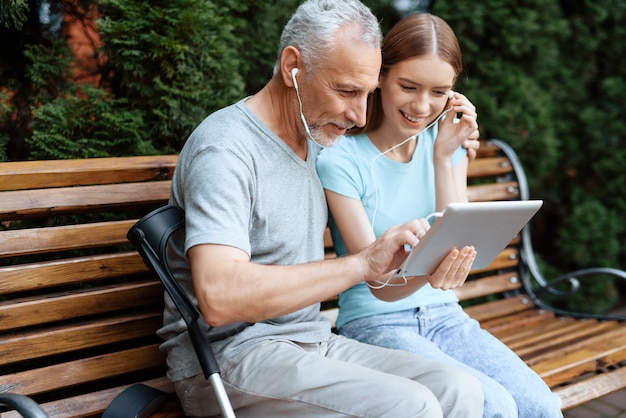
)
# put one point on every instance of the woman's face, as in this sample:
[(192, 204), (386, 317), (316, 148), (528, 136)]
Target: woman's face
[(414, 92)]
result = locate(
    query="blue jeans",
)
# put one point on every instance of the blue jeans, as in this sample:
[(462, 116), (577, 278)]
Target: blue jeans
[(447, 334)]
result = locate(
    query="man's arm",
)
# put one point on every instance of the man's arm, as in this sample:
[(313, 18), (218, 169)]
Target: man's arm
[(229, 287)]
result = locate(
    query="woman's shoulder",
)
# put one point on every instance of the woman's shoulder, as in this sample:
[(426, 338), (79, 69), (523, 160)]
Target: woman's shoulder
[(348, 155)]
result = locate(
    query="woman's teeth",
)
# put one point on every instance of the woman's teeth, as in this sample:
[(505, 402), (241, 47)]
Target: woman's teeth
[(412, 119)]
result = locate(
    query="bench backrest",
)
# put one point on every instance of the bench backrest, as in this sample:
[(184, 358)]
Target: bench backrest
[(78, 308)]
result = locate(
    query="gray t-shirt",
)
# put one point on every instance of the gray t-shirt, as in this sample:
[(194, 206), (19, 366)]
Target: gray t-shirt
[(240, 185)]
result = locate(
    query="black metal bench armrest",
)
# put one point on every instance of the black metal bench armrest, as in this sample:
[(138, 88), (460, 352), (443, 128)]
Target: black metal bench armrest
[(551, 287), (22, 404)]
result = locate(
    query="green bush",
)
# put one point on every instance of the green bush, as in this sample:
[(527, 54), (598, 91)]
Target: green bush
[(174, 61), (162, 68), (91, 124)]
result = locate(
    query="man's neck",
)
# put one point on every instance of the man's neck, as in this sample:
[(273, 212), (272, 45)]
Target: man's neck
[(274, 106)]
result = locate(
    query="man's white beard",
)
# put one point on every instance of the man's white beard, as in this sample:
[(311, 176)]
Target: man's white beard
[(320, 138)]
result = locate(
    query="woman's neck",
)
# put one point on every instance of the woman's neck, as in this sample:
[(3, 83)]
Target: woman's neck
[(384, 140)]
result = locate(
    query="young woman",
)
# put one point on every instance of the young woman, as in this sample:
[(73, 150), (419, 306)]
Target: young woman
[(377, 178)]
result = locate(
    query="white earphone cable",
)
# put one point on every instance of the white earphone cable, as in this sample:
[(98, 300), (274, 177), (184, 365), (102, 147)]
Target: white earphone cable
[(387, 282)]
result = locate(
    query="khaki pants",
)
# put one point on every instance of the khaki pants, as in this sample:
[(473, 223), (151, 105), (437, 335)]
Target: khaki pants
[(338, 378)]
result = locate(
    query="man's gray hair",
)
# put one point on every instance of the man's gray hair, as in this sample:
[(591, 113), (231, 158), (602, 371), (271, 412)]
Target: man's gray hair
[(313, 26)]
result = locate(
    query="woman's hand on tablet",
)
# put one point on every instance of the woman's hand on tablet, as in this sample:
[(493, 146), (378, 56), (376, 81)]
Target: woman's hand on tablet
[(453, 269)]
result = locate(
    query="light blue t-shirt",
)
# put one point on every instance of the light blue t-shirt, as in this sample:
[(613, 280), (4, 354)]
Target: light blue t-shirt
[(392, 193)]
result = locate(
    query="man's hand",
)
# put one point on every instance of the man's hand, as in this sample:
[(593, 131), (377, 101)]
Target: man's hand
[(388, 251), (472, 146)]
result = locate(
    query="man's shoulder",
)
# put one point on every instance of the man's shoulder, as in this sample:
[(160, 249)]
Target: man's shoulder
[(226, 115), (229, 123)]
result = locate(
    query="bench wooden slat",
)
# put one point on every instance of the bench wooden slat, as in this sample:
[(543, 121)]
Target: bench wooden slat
[(594, 387), (489, 285), (92, 405), (61, 173), (62, 339), (499, 191), (500, 327), (63, 238), (613, 332), (328, 241), (551, 333), (169, 410), (487, 149), (64, 306), (72, 373), (79, 311), (26, 204), (588, 360), (32, 276), (555, 342), (509, 257), (526, 333), (494, 166), (499, 308), (551, 341)]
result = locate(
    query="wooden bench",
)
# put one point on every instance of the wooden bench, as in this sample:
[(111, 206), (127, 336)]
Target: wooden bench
[(79, 309)]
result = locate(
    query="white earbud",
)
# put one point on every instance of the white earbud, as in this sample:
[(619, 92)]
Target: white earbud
[(293, 76), (306, 125), (450, 92)]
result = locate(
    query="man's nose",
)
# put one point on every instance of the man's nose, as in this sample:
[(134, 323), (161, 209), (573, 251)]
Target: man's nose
[(358, 112)]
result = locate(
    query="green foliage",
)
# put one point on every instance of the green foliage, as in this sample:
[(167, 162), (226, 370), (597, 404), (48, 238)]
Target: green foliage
[(69, 120), (591, 237), (87, 125), (263, 21), (511, 53), (5, 110), (174, 60), (13, 13), (163, 67), (597, 295), (593, 183), (49, 73)]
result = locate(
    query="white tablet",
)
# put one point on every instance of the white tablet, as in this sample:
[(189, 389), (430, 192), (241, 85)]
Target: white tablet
[(488, 226)]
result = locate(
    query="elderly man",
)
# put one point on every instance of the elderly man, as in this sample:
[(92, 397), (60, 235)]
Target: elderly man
[(253, 251)]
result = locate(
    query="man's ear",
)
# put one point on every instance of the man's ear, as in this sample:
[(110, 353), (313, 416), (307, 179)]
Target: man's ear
[(290, 58)]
